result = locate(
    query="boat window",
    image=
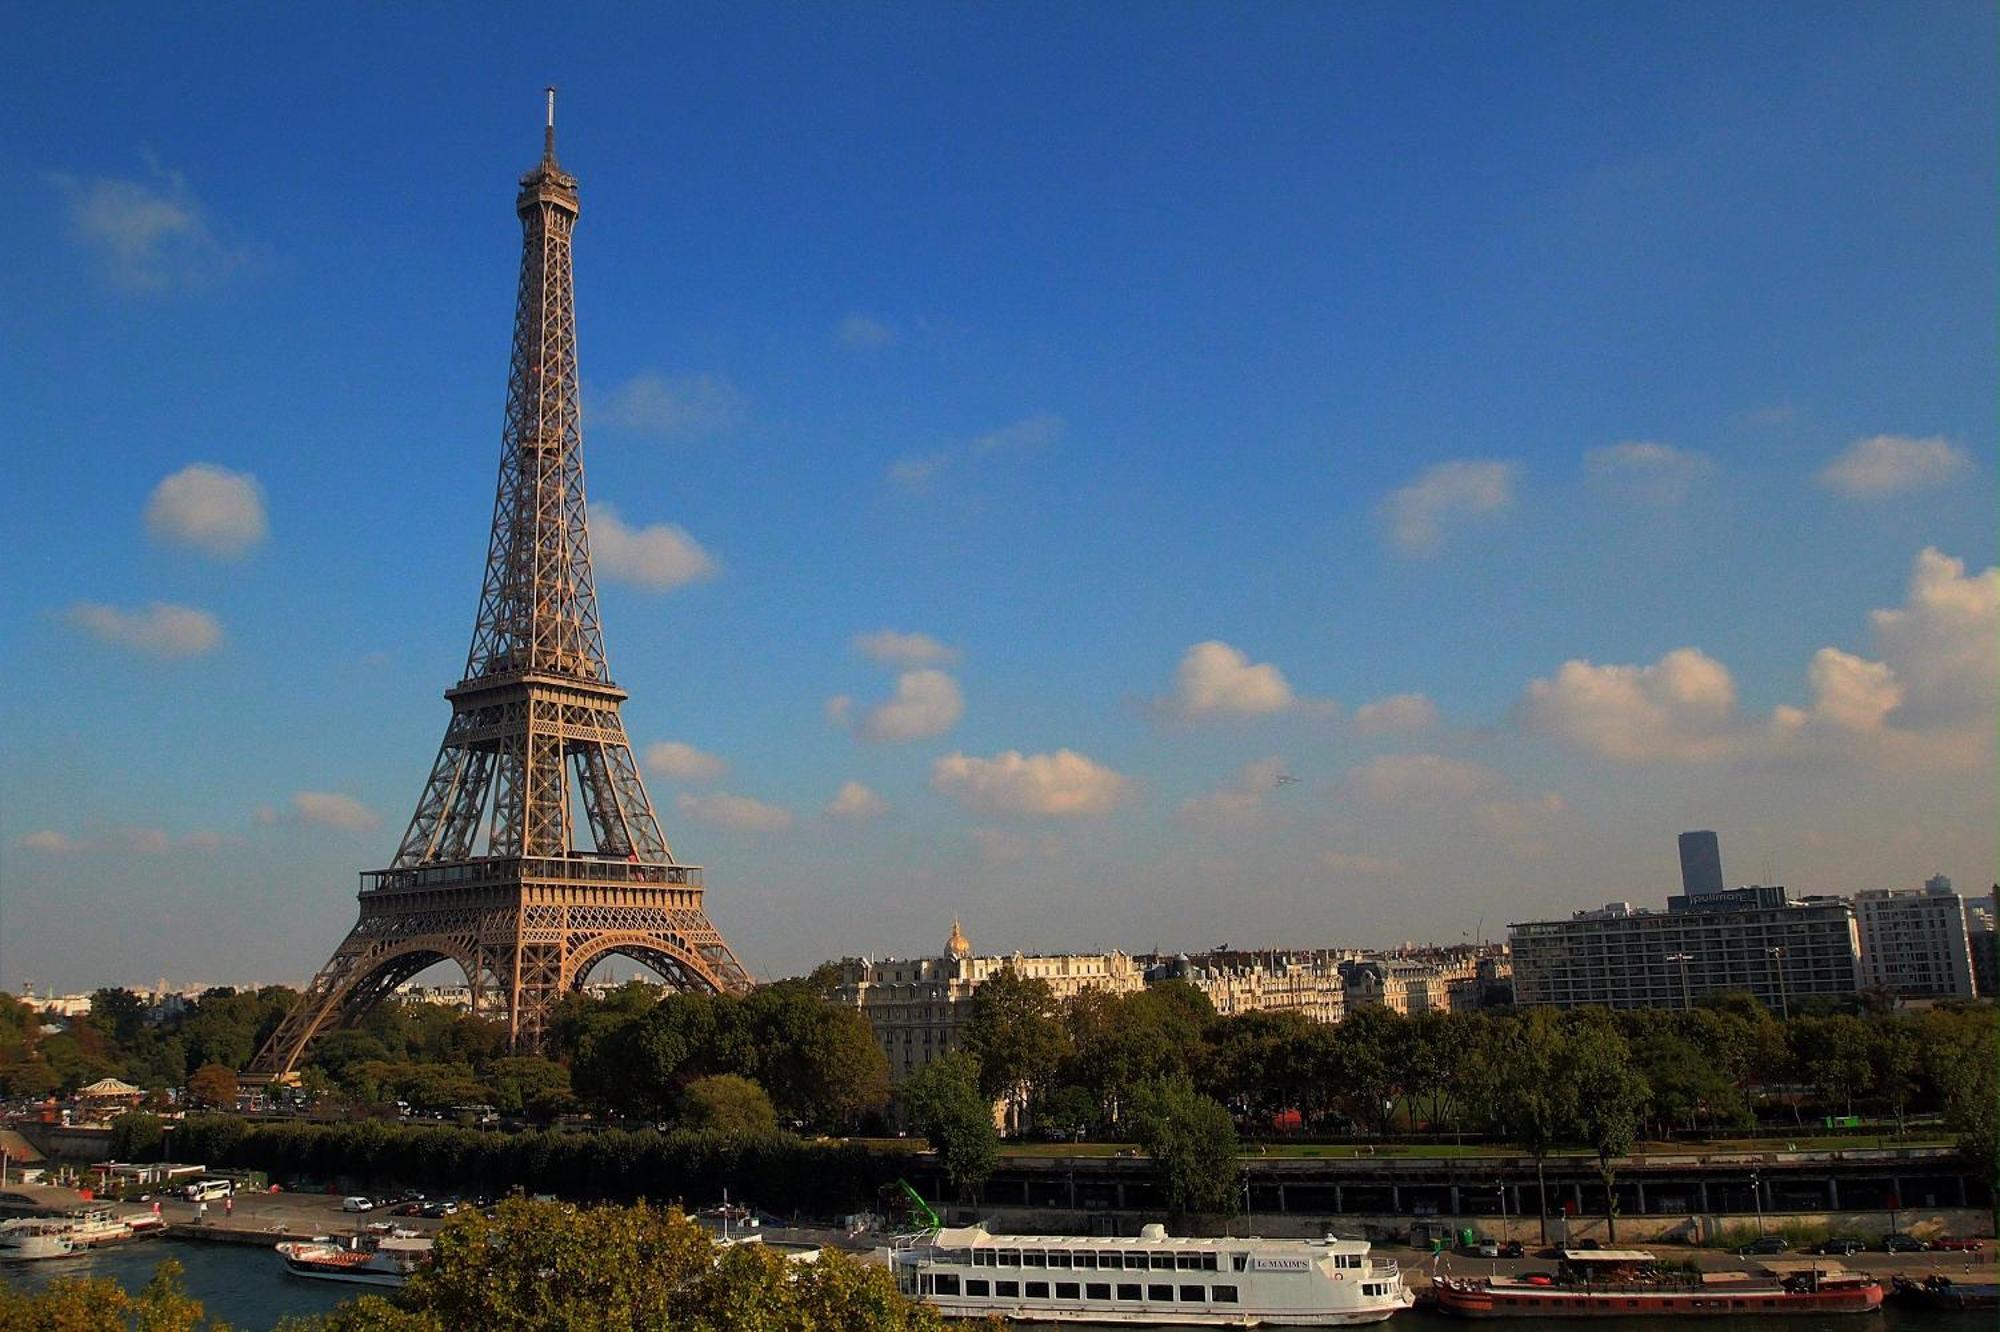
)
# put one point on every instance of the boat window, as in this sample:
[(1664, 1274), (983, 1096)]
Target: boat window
[(1033, 1258), (1038, 1290), (1128, 1290), (982, 1257), (1187, 1262), (1135, 1262), (1208, 1262), (1239, 1261), (1010, 1257), (1067, 1290), (1160, 1262), (1159, 1292), (1222, 1294), (1108, 1259), (1097, 1290), (1192, 1294), (976, 1287), (1007, 1290), (1058, 1257), (944, 1283), (1086, 1258)]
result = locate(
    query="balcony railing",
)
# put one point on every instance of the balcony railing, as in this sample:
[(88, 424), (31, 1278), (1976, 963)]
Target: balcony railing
[(507, 869)]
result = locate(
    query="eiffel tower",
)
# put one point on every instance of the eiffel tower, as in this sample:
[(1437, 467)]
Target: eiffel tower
[(490, 874)]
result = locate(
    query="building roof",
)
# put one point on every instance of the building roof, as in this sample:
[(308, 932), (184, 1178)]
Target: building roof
[(111, 1087), (17, 1148)]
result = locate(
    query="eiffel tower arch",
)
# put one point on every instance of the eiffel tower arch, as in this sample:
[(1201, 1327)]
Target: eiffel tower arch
[(534, 850)]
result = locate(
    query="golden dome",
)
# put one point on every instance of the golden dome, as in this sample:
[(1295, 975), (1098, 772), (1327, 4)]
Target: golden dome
[(958, 945)]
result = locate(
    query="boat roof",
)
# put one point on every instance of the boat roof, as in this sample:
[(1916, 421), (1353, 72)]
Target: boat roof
[(1608, 1256), (406, 1244), (978, 1236)]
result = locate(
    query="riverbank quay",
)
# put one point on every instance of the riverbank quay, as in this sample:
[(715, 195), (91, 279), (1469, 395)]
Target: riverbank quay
[(1660, 1195)]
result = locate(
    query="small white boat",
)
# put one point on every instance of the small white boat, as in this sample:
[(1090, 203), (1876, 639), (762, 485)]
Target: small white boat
[(386, 1260), (1154, 1280)]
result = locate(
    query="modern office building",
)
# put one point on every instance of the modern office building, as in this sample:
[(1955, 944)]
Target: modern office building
[(1754, 939), (918, 1006), (1914, 942), (1701, 863)]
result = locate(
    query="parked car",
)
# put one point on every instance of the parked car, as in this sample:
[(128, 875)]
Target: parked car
[(1512, 1249), (357, 1205), (1766, 1244), (1842, 1245), (1949, 1245), (1487, 1249), (1901, 1243)]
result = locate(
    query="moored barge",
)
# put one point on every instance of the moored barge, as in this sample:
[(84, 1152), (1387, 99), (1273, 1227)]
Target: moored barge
[(1627, 1283)]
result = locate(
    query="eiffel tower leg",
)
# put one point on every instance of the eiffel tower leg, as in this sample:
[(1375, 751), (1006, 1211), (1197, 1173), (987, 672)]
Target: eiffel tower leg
[(364, 970)]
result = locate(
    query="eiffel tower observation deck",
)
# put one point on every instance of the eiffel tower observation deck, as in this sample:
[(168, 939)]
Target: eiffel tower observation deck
[(534, 851)]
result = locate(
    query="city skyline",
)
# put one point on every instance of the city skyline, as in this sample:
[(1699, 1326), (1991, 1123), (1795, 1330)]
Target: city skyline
[(985, 534)]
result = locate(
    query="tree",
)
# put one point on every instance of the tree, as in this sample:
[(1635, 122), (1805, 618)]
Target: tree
[(819, 1060), (527, 1084), (1371, 1037), (1895, 1056), (1071, 1111), (136, 1136), (119, 1014), (727, 1103), (1534, 1099), (1609, 1098), (100, 1304), (1962, 1056), (944, 1102), (1013, 1030), (543, 1265), (1192, 1142), (1833, 1052), (213, 1086)]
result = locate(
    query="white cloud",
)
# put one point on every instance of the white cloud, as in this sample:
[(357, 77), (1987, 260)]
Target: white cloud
[(148, 235), (838, 709), (1398, 712), (1348, 864), (1445, 491), (920, 472), (49, 842), (1850, 692), (160, 630), (659, 557), (925, 703), (1648, 472), (1681, 707), (1944, 642), (1063, 784), (1523, 827), (1887, 465), (891, 648), (1217, 680), (678, 761), (330, 809), (663, 406), (855, 801), (863, 332), (210, 508), (129, 841), (741, 813), (1239, 802), (1390, 779)]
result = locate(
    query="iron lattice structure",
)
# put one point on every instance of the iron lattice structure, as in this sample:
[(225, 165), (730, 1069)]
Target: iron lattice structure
[(489, 874)]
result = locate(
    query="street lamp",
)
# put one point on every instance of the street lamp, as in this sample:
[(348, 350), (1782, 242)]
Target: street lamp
[(1501, 1184), (1687, 1000), (1757, 1197), (1777, 954)]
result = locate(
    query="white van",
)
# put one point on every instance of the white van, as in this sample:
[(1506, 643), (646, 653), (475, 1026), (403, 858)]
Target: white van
[(356, 1205), (205, 1190)]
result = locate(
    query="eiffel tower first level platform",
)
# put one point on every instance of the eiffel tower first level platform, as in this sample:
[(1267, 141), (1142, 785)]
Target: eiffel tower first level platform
[(534, 851)]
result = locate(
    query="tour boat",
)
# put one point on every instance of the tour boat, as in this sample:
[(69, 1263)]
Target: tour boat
[(386, 1260), (1153, 1280), (74, 1232), (1627, 1283)]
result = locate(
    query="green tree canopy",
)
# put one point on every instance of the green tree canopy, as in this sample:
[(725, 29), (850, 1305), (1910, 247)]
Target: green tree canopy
[(1192, 1142), (728, 1103), (945, 1103)]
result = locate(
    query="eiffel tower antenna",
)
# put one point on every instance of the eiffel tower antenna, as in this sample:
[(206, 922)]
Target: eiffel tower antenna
[(496, 872)]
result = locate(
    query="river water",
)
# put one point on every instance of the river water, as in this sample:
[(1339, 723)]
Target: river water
[(250, 1288)]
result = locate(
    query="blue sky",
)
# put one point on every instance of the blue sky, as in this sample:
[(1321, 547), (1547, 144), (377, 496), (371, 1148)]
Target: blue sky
[(1189, 379)]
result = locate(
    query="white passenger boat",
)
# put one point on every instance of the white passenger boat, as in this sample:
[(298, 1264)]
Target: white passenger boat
[(1153, 1280), (77, 1231), (387, 1260)]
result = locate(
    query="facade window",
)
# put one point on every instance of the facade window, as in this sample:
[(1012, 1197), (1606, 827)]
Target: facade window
[(1128, 1290), (1191, 1294), (944, 1283), (975, 1287), (1163, 1294), (1007, 1290), (1097, 1290), (1066, 1290), (1033, 1258), (1038, 1290), (1222, 1294), (1160, 1262)]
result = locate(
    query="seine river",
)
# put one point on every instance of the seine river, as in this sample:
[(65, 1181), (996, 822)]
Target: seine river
[(249, 1287)]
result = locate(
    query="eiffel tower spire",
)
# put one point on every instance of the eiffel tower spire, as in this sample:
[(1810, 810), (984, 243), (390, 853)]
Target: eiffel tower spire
[(496, 871)]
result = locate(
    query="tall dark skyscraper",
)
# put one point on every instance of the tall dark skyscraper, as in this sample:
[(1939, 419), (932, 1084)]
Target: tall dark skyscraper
[(1701, 863)]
